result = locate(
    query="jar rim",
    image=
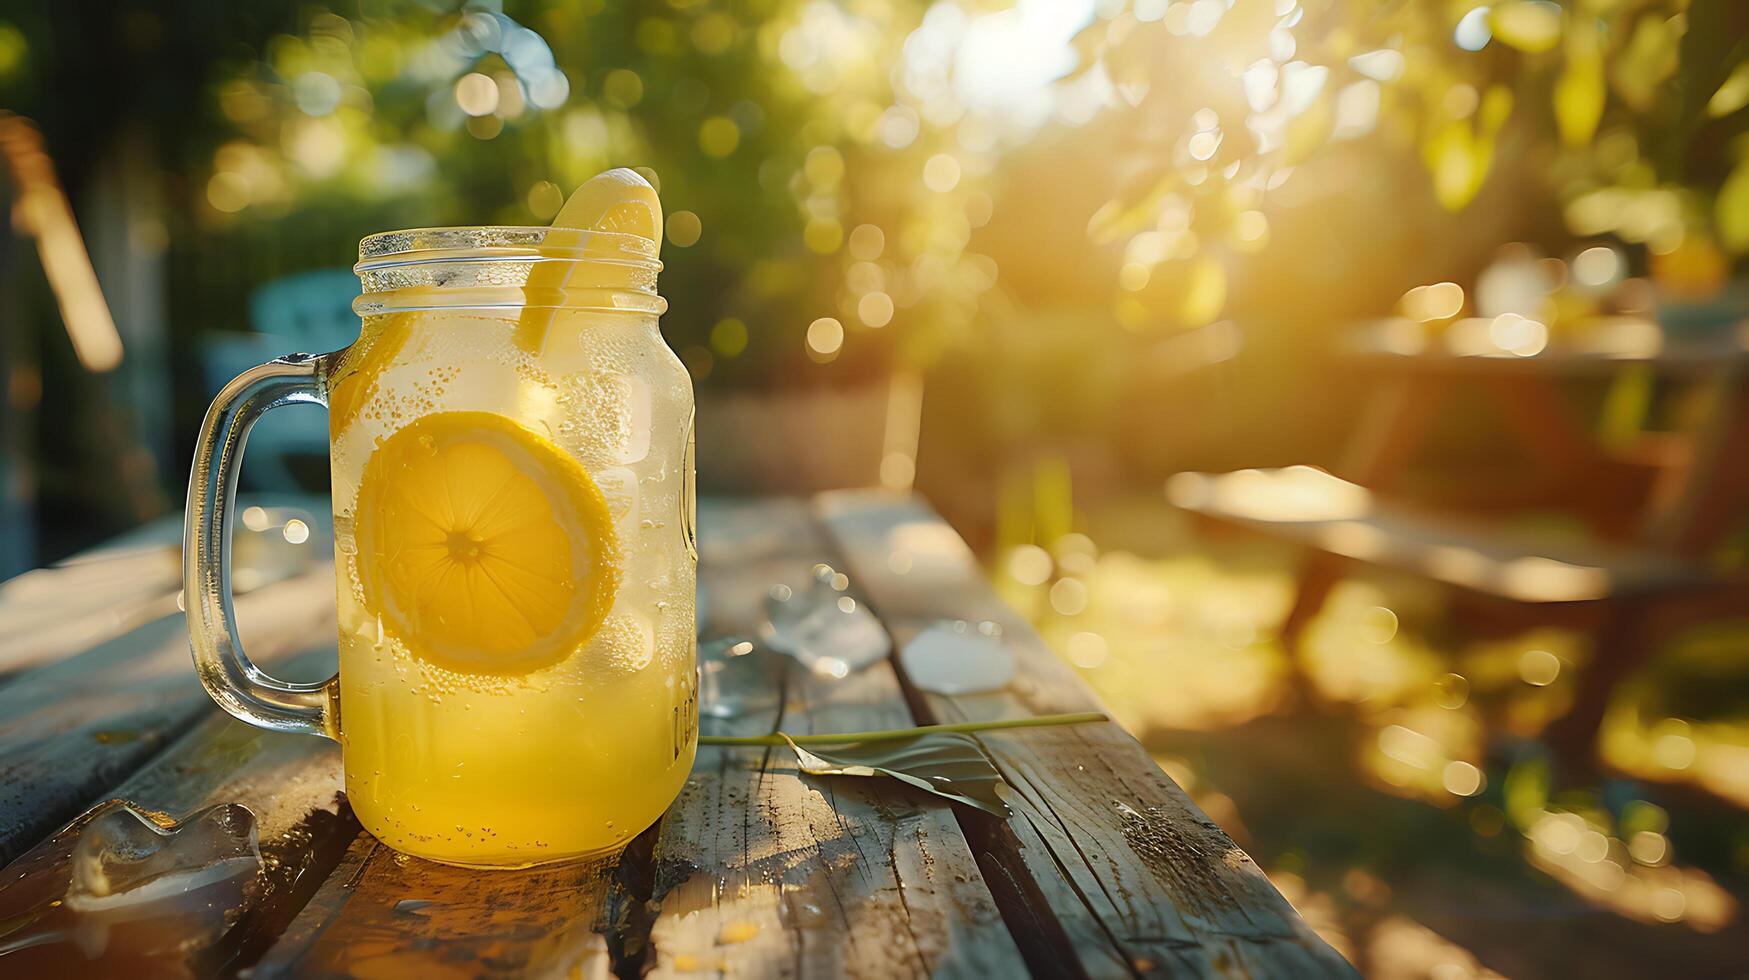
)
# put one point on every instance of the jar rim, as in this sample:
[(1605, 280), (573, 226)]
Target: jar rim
[(499, 242), (492, 266)]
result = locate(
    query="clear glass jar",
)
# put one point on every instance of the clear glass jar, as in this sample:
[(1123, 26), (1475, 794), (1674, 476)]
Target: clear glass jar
[(513, 512)]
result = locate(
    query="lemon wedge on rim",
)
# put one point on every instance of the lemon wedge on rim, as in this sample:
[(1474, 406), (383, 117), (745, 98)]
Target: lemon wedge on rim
[(484, 547), (619, 201)]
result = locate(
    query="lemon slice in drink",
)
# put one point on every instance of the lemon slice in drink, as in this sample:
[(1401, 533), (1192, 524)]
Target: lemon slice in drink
[(484, 547), (618, 201)]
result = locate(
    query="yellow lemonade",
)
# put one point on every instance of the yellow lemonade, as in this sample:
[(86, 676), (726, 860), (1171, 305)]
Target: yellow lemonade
[(513, 507)]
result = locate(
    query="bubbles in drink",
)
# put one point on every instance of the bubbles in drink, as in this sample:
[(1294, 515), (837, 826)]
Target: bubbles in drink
[(606, 417), (623, 645)]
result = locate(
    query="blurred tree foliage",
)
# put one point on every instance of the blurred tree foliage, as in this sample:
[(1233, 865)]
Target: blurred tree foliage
[(1272, 162), (1625, 112), (820, 164), (773, 129)]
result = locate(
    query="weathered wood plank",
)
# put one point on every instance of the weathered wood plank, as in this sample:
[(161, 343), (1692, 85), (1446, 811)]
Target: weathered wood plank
[(71, 730), (761, 871), (382, 914), (51, 613), (1138, 877), (289, 783)]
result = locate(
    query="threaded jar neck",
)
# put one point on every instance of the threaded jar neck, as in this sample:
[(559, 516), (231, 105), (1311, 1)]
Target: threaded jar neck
[(497, 267)]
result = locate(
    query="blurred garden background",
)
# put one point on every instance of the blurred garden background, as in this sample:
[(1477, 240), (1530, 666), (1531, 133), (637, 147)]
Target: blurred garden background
[(1457, 653)]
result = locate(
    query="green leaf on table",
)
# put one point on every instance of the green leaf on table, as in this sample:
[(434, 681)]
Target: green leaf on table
[(948, 764)]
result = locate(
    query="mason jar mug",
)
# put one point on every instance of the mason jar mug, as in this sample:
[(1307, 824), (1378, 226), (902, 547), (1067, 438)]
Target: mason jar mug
[(511, 453)]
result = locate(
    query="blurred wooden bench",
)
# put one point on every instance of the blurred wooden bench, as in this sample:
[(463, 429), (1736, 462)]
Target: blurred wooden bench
[(1628, 596), (1630, 593), (1465, 553)]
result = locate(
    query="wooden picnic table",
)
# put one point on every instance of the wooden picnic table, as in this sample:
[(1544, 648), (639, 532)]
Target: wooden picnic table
[(1104, 869), (1697, 476), (1653, 571)]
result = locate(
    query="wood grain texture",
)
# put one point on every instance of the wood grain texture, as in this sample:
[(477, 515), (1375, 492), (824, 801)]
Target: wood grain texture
[(51, 613), (1139, 879), (71, 730), (382, 914), (291, 785), (761, 871)]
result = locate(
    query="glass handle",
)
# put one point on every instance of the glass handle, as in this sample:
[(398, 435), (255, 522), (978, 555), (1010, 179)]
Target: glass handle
[(239, 686)]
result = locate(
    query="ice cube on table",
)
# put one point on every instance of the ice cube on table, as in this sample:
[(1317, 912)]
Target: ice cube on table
[(737, 677), (827, 631), (954, 657), (136, 884), (125, 857)]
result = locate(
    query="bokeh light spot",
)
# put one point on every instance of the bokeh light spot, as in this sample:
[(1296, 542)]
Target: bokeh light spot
[(485, 127), (713, 33), (1598, 265), (824, 167), (1029, 564), (1087, 650), (867, 242), (1538, 668), (1378, 625), (941, 173), (698, 362), (1440, 301), (898, 470), (545, 199), (729, 337), (1461, 778), (875, 309), (476, 94), (718, 136), (227, 192), (1473, 32), (684, 228), (822, 235), (1517, 334), (825, 338), (622, 88), (1069, 596), (1451, 691), (1251, 226)]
